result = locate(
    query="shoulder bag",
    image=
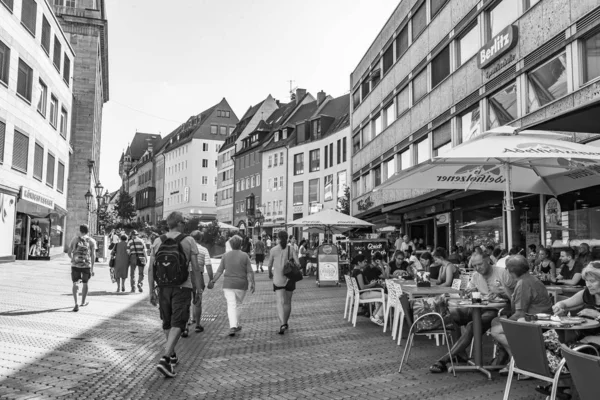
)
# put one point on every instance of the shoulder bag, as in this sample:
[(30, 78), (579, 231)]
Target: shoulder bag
[(291, 270)]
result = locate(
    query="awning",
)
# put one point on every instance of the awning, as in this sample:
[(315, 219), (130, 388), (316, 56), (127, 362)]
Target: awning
[(431, 197), (579, 119)]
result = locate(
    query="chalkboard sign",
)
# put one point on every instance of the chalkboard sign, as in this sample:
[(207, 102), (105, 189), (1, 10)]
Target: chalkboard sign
[(369, 247)]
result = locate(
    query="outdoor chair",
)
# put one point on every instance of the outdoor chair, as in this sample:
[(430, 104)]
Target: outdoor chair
[(529, 354), (349, 298), (358, 301), (399, 315), (584, 369), (393, 302), (412, 334)]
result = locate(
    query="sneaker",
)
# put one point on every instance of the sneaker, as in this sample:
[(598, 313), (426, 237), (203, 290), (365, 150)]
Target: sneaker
[(232, 331), (238, 328), (376, 321), (185, 333), (174, 360), (76, 308), (199, 328), (166, 368), (140, 287)]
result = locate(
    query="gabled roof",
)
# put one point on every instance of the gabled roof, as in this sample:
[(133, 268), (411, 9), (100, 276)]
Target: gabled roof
[(241, 125), (303, 112), (338, 108), (140, 143)]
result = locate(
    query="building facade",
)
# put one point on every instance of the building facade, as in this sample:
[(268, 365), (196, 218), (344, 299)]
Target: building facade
[(85, 25), (145, 195), (36, 100), (225, 166), (442, 72)]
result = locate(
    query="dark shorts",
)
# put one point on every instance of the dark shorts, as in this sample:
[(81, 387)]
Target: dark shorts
[(80, 274), (174, 306), (259, 257), (290, 287)]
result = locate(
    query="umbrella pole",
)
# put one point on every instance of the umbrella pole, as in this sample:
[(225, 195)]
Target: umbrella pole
[(508, 207)]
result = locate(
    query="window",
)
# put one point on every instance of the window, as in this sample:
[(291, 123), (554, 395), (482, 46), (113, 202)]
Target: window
[(344, 149), (388, 59), (331, 154), (503, 106), (469, 124), (60, 177), (281, 158), (204, 197), (298, 193), (419, 22), (502, 15), (237, 186), (38, 162), (377, 176), (436, 6), (356, 98), (328, 188), (280, 182), (43, 98), (419, 86), (315, 161), (529, 3), (230, 129), (204, 163), (252, 181), (390, 167), (248, 183), (270, 162), (442, 140), (50, 170), (377, 125), (402, 42), (275, 180), (269, 181), (29, 14), (280, 207), (57, 53), (468, 45), (205, 180), (46, 35), (402, 102), (275, 156), (2, 139), (440, 67), (257, 179), (20, 152), (53, 110), (341, 184), (326, 157), (204, 146), (25, 80), (366, 134), (8, 4), (405, 160), (423, 150), (213, 129), (356, 143), (388, 115), (547, 83), (591, 51), (313, 191), (4, 62), (223, 130), (365, 88)]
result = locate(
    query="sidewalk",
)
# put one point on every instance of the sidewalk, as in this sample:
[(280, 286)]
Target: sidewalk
[(109, 349)]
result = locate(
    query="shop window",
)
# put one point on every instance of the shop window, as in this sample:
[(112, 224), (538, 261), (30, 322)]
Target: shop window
[(20, 152), (442, 139), (547, 83), (313, 191), (402, 103), (436, 6), (440, 67), (299, 164), (402, 42), (423, 150), (50, 170), (405, 160), (591, 50), (4, 62), (390, 167), (419, 86), (377, 176), (298, 193), (315, 160), (29, 15), (468, 44), (503, 106), (419, 22), (376, 125), (388, 59), (389, 115), (469, 124), (479, 227), (356, 143), (38, 162), (503, 14), (328, 188)]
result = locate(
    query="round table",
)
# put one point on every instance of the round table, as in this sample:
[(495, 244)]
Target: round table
[(588, 324)]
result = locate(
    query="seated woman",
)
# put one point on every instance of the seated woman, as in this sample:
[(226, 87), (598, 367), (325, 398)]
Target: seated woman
[(360, 264), (545, 267), (398, 265), (382, 266), (429, 265), (529, 297), (448, 271)]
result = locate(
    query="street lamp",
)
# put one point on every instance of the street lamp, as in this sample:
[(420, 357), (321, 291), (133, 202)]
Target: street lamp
[(100, 198)]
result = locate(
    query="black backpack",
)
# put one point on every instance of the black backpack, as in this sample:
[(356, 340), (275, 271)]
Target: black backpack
[(170, 263)]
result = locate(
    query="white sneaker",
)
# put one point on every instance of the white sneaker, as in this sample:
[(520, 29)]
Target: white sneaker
[(376, 321)]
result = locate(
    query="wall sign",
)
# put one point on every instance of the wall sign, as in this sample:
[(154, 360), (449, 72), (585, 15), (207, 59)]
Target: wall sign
[(37, 198), (505, 40)]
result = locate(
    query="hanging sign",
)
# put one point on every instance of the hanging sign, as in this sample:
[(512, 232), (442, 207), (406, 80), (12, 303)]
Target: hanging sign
[(505, 40)]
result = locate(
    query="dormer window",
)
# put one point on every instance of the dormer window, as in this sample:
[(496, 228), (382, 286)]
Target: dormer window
[(284, 133), (277, 136)]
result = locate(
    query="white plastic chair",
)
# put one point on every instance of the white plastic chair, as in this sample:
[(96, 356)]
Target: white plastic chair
[(392, 302), (349, 298), (399, 315), (358, 301)]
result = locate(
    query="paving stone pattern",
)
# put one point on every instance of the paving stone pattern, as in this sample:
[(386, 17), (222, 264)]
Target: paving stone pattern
[(109, 349)]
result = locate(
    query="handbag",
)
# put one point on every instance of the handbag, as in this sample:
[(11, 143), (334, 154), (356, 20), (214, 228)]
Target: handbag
[(112, 275), (427, 305), (291, 270)]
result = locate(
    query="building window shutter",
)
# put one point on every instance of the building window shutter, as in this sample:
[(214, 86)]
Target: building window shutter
[(38, 162), (50, 170), (20, 152), (441, 135)]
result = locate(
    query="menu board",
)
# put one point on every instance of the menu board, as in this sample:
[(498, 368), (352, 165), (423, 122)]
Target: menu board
[(369, 247), (327, 257)]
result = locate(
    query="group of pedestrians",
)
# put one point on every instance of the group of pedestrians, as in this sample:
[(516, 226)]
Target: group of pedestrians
[(129, 255)]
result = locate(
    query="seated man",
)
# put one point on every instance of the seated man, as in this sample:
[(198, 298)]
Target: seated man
[(489, 281), (529, 297), (398, 265)]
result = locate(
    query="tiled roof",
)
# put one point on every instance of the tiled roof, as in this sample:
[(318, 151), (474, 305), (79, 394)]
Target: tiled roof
[(140, 142), (239, 128), (303, 112), (339, 108)]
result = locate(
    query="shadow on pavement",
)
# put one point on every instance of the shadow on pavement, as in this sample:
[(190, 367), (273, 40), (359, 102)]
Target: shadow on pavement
[(17, 313)]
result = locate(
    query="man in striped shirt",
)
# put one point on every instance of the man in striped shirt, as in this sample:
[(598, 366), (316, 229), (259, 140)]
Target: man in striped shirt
[(198, 276), (137, 259)]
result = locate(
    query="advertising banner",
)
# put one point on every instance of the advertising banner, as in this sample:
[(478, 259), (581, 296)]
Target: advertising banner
[(327, 257)]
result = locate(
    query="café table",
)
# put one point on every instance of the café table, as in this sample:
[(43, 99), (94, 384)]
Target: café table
[(412, 291), (477, 363), (554, 290), (566, 334)]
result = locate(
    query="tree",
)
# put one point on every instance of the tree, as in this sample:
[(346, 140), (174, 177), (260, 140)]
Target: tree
[(108, 219), (212, 234), (344, 202), (124, 207)]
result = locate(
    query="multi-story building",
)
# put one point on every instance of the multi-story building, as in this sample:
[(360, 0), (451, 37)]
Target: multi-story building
[(141, 144), (36, 97), (225, 169), (85, 25), (442, 72), (190, 162), (318, 164), (145, 195)]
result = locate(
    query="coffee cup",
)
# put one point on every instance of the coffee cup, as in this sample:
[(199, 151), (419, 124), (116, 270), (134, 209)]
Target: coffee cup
[(476, 297)]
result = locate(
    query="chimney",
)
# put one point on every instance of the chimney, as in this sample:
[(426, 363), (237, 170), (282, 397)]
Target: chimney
[(277, 102), (300, 94), (321, 97)]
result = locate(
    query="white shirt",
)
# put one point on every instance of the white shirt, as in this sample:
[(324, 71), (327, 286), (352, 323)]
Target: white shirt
[(415, 262), (501, 262)]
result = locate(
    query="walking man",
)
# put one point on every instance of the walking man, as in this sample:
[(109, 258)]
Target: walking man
[(169, 268), (198, 276), (81, 252), (137, 259), (259, 254)]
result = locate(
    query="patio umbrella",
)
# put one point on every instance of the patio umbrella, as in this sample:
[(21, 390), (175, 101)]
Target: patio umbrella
[(223, 226), (322, 229), (508, 163), (329, 221)]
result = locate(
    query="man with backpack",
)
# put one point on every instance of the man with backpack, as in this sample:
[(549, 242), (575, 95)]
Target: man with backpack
[(82, 252), (170, 271), (137, 260)]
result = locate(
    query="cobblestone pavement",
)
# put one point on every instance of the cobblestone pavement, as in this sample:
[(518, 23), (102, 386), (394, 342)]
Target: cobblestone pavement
[(109, 349)]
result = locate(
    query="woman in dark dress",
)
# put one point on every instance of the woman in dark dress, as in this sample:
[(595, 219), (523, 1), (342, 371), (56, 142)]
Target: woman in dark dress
[(546, 267)]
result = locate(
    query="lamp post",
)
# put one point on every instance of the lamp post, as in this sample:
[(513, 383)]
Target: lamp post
[(101, 200)]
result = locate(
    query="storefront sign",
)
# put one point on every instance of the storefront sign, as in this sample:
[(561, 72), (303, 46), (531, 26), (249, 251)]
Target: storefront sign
[(505, 40), (552, 211), (501, 64), (315, 208), (369, 248), (37, 198), (7, 223), (443, 218)]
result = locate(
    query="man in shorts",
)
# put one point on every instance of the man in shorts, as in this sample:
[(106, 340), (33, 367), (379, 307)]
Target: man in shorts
[(259, 254), (82, 251), (198, 276), (173, 302)]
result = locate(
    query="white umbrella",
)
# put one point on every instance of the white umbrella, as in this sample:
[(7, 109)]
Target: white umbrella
[(330, 220), (222, 225), (322, 229), (508, 163)]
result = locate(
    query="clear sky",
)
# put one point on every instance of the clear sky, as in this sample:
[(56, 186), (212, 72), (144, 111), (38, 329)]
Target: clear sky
[(171, 60)]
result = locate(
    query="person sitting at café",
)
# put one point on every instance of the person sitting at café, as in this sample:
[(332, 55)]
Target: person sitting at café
[(398, 266), (476, 250), (429, 265), (382, 267), (454, 257), (545, 269), (360, 274), (491, 281), (404, 243), (448, 271), (570, 269), (529, 297), (496, 254), (489, 250), (532, 256), (413, 262), (429, 248), (585, 256)]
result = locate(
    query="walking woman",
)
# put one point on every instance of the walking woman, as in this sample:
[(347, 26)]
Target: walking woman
[(235, 266), (302, 256), (282, 286), (121, 254)]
